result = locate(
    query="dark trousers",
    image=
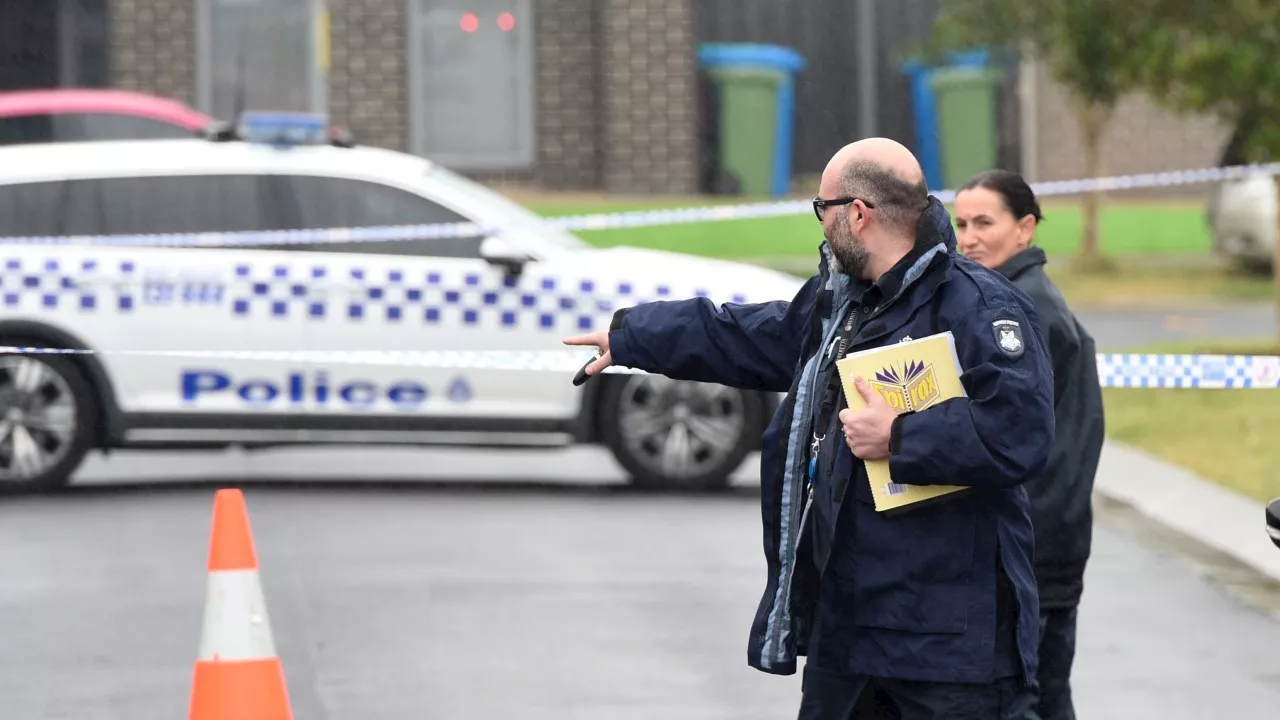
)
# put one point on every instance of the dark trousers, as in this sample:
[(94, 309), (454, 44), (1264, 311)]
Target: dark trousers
[(1057, 652), (827, 696)]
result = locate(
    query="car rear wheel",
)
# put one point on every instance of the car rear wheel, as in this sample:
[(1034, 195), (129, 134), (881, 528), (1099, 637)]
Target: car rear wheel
[(46, 420), (678, 435)]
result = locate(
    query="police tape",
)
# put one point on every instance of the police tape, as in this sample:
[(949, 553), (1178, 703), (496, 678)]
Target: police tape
[(1115, 370), (608, 221)]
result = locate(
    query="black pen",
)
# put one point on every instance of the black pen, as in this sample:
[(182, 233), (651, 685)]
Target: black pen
[(582, 375)]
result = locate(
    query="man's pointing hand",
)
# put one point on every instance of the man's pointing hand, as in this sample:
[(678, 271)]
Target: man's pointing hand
[(598, 340)]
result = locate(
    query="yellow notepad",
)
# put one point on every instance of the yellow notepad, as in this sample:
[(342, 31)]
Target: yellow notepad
[(911, 375)]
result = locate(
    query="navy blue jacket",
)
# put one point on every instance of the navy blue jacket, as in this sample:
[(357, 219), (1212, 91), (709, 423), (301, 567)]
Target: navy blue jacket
[(1062, 497), (924, 585)]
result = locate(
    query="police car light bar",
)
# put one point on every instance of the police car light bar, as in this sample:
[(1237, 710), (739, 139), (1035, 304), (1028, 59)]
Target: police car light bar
[(283, 128)]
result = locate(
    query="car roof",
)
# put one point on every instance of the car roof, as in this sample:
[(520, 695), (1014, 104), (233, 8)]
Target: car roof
[(196, 156), (119, 102)]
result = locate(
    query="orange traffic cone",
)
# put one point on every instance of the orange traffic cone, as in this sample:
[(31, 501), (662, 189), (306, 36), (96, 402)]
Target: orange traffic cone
[(238, 675)]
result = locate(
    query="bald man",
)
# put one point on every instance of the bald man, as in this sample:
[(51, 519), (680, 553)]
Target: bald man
[(931, 612)]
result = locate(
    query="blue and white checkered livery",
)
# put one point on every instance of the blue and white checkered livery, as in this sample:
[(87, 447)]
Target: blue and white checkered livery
[(304, 291), (50, 284)]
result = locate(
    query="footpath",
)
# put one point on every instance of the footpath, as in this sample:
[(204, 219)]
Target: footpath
[(1180, 500), (1181, 608)]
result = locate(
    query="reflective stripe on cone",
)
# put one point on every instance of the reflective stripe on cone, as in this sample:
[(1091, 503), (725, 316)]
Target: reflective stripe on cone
[(238, 675)]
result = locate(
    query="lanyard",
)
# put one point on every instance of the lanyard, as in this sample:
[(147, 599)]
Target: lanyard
[(831, 394)]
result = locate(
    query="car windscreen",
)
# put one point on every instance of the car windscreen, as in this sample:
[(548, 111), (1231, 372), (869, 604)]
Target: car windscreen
[(79, 127), (502, 209)]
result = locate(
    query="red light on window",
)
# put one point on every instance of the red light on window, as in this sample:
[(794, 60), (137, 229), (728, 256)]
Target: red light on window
[(506, 21), (470, 23)]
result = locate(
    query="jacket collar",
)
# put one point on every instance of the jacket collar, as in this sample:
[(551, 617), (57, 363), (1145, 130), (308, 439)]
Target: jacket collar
[(1022, 262), (934, 237), (935, 225)]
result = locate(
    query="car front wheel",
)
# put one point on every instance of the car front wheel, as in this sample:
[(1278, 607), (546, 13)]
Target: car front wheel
[(46, 416), (676, 434)]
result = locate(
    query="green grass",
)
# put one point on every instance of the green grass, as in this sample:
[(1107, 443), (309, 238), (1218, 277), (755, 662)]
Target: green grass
[(1227, 436), (1161, 281), (1161, 248), (1154, 227)]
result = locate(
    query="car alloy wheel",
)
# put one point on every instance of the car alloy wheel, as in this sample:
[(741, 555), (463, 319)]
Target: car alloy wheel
[(39, 419), (680, 431)]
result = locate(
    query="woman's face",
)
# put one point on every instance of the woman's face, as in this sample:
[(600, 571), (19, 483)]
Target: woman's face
[(985, 229)]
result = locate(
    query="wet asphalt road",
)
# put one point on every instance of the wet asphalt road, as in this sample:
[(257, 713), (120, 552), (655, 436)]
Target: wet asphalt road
[(437, 586), (466, 595), (1119, 330)]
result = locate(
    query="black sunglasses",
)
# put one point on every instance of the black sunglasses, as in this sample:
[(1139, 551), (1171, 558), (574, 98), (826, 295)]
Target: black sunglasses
[(820, 205)]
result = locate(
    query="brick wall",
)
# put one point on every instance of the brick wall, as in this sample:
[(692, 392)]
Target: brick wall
[(616, 82), (568, 76), (368, 91), (1142, 137), (153, 47), (650, 96)]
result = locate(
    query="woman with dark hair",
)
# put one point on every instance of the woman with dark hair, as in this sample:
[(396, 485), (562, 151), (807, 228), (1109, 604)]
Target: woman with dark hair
[(996, 216)]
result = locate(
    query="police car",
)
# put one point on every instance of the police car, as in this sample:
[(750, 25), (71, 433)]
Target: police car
[(179, 338)]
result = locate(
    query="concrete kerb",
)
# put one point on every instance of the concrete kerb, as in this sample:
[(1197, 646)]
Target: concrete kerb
[(1178, 499)]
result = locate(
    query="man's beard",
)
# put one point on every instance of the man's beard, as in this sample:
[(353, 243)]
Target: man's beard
[(848, 256)]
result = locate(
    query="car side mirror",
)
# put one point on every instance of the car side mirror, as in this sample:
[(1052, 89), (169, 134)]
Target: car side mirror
[(1273, 521), (497, 250)]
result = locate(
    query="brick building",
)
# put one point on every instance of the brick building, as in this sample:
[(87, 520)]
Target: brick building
[(565, 94), (587, 94)]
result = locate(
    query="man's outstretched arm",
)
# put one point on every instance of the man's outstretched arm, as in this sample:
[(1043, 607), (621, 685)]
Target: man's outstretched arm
[(752, 347)]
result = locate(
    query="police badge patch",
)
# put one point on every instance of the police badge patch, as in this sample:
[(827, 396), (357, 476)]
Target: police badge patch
[(1008, 336)]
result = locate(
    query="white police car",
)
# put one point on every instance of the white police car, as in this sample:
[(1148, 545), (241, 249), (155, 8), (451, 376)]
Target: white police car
[(522, 289)]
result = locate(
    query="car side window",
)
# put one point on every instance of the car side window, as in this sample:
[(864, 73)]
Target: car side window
[(80, 127), (25, 129), (315, 202), (109, 126), (184, 204), (31, 209)]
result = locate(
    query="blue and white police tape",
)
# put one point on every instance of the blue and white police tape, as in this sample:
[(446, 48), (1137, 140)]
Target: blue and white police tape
[(566, 360), (1115, 370), (608, 221)]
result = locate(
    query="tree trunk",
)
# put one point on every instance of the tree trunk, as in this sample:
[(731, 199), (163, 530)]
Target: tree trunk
[(1275, 260), (1093, 122)]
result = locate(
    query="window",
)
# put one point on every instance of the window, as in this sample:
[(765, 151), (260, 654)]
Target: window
[(77, 127), (138, 206), (261, 55), (109, 126), (185, 204), (26, 129), (229, 203), (313, 202), (471, 77), (31, 209), (54, 208)]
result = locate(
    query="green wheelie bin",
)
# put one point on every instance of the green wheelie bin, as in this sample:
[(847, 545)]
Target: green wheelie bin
[(965, 98), (756, 113)]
